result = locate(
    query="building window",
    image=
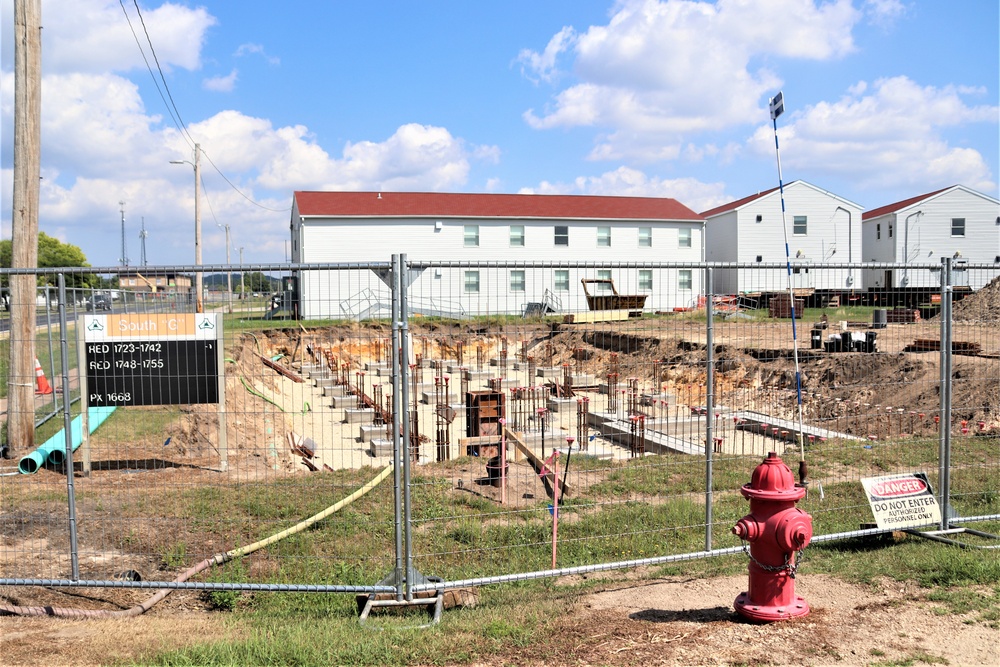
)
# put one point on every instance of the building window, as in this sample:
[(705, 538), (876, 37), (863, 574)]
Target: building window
[(562, 235), (890, 230), (472, 236), (517, 236), (604, 274), (958, 226), (472, 281), (799, 225), (683, 238), (517, 281), (646, 280), (562, 280), (645, 237), (684, 279), (878, 231), (603, 237)]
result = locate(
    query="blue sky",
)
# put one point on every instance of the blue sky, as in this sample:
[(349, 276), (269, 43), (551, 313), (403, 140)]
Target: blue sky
[(885, 99)]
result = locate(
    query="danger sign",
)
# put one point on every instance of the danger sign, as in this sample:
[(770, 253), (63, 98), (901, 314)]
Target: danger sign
[(902, 501)]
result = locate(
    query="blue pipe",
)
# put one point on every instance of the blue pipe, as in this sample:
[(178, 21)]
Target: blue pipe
[(54, 449)]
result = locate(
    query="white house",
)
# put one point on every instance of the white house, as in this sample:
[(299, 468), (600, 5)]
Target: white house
[(954, 222), (566, 232), (822, 228)]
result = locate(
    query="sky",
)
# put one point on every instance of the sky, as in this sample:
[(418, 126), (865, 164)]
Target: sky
[(884, 100)]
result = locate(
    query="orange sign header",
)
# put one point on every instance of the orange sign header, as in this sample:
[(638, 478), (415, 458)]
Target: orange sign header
[(152, 325)]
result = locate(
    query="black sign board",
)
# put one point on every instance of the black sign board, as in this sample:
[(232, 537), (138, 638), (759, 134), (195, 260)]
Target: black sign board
[(152, 372)]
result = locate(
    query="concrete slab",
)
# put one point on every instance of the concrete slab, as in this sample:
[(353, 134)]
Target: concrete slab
[(380, 447), (359, 415)]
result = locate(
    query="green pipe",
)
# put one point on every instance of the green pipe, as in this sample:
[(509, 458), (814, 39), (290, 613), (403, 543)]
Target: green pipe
[(54, 449)]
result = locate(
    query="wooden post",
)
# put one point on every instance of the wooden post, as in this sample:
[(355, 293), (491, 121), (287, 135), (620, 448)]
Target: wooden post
[(24, 222)]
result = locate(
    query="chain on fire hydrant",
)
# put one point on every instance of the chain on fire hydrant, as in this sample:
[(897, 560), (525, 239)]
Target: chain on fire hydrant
[(777, 532)]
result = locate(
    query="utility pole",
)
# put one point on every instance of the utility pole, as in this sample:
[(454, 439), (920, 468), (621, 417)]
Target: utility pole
[(124, 259), (198, 277), (24, 223)]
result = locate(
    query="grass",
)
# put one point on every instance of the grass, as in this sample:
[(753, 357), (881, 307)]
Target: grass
[(304, 629)]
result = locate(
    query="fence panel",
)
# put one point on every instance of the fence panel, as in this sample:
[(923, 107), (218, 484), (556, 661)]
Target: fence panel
[(650, 391), (161, 488)]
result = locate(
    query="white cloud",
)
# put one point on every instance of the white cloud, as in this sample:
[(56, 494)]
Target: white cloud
[(221, 84), (661, 69), (256, 49), (94, 36), (884, 13), (886, 135), (625, 181), (542, 66)]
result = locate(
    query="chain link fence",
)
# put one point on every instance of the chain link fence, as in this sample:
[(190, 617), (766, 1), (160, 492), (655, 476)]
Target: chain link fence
[(407, 426)]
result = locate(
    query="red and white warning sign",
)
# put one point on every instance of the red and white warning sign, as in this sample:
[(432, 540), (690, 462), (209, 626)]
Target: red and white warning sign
[(902, 501)]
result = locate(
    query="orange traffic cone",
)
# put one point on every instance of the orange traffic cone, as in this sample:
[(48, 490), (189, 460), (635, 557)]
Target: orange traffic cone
[(43, 385)]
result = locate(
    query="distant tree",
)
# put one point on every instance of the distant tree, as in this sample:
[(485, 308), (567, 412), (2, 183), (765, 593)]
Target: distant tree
[(53, 253), (257, 282)]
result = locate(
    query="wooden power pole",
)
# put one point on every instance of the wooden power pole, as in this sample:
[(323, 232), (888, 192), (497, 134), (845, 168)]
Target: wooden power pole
[(24, 223)]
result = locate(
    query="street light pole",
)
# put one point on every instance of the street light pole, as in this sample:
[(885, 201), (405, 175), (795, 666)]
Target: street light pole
[(243, 291), (229, 270), (198, 278)]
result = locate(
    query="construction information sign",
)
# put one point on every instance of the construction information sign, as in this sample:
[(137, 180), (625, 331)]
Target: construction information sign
[(152, 359), (902, 501)]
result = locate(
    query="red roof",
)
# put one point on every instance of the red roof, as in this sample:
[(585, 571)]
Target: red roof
[(900, 205), (472, 205), (735, 204)]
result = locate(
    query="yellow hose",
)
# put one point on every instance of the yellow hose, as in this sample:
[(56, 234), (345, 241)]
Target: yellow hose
[(299, 527)]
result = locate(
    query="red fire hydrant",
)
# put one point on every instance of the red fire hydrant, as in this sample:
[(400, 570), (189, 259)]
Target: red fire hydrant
[(777, 531)]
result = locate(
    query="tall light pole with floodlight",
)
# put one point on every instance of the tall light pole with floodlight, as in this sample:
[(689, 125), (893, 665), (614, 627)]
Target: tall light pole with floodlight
[(198, 278)]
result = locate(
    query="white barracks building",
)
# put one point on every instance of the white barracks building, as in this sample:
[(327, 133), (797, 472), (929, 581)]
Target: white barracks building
[(620, 236)]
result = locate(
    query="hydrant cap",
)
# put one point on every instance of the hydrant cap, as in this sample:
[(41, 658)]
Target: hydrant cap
[(773, 480)]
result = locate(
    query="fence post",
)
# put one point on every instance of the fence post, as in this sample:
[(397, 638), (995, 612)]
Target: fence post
[(67, 428), (709, 403), (944, 455), (398, 445), (404, 322)]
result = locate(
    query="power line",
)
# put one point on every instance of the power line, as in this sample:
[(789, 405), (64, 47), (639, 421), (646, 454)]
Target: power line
[(171, 106), (177, 121)]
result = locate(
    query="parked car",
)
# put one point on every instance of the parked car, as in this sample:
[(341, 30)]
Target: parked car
[(99, 302)]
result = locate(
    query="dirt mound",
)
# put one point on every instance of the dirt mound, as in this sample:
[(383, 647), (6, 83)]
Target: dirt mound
[(980, 306)]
